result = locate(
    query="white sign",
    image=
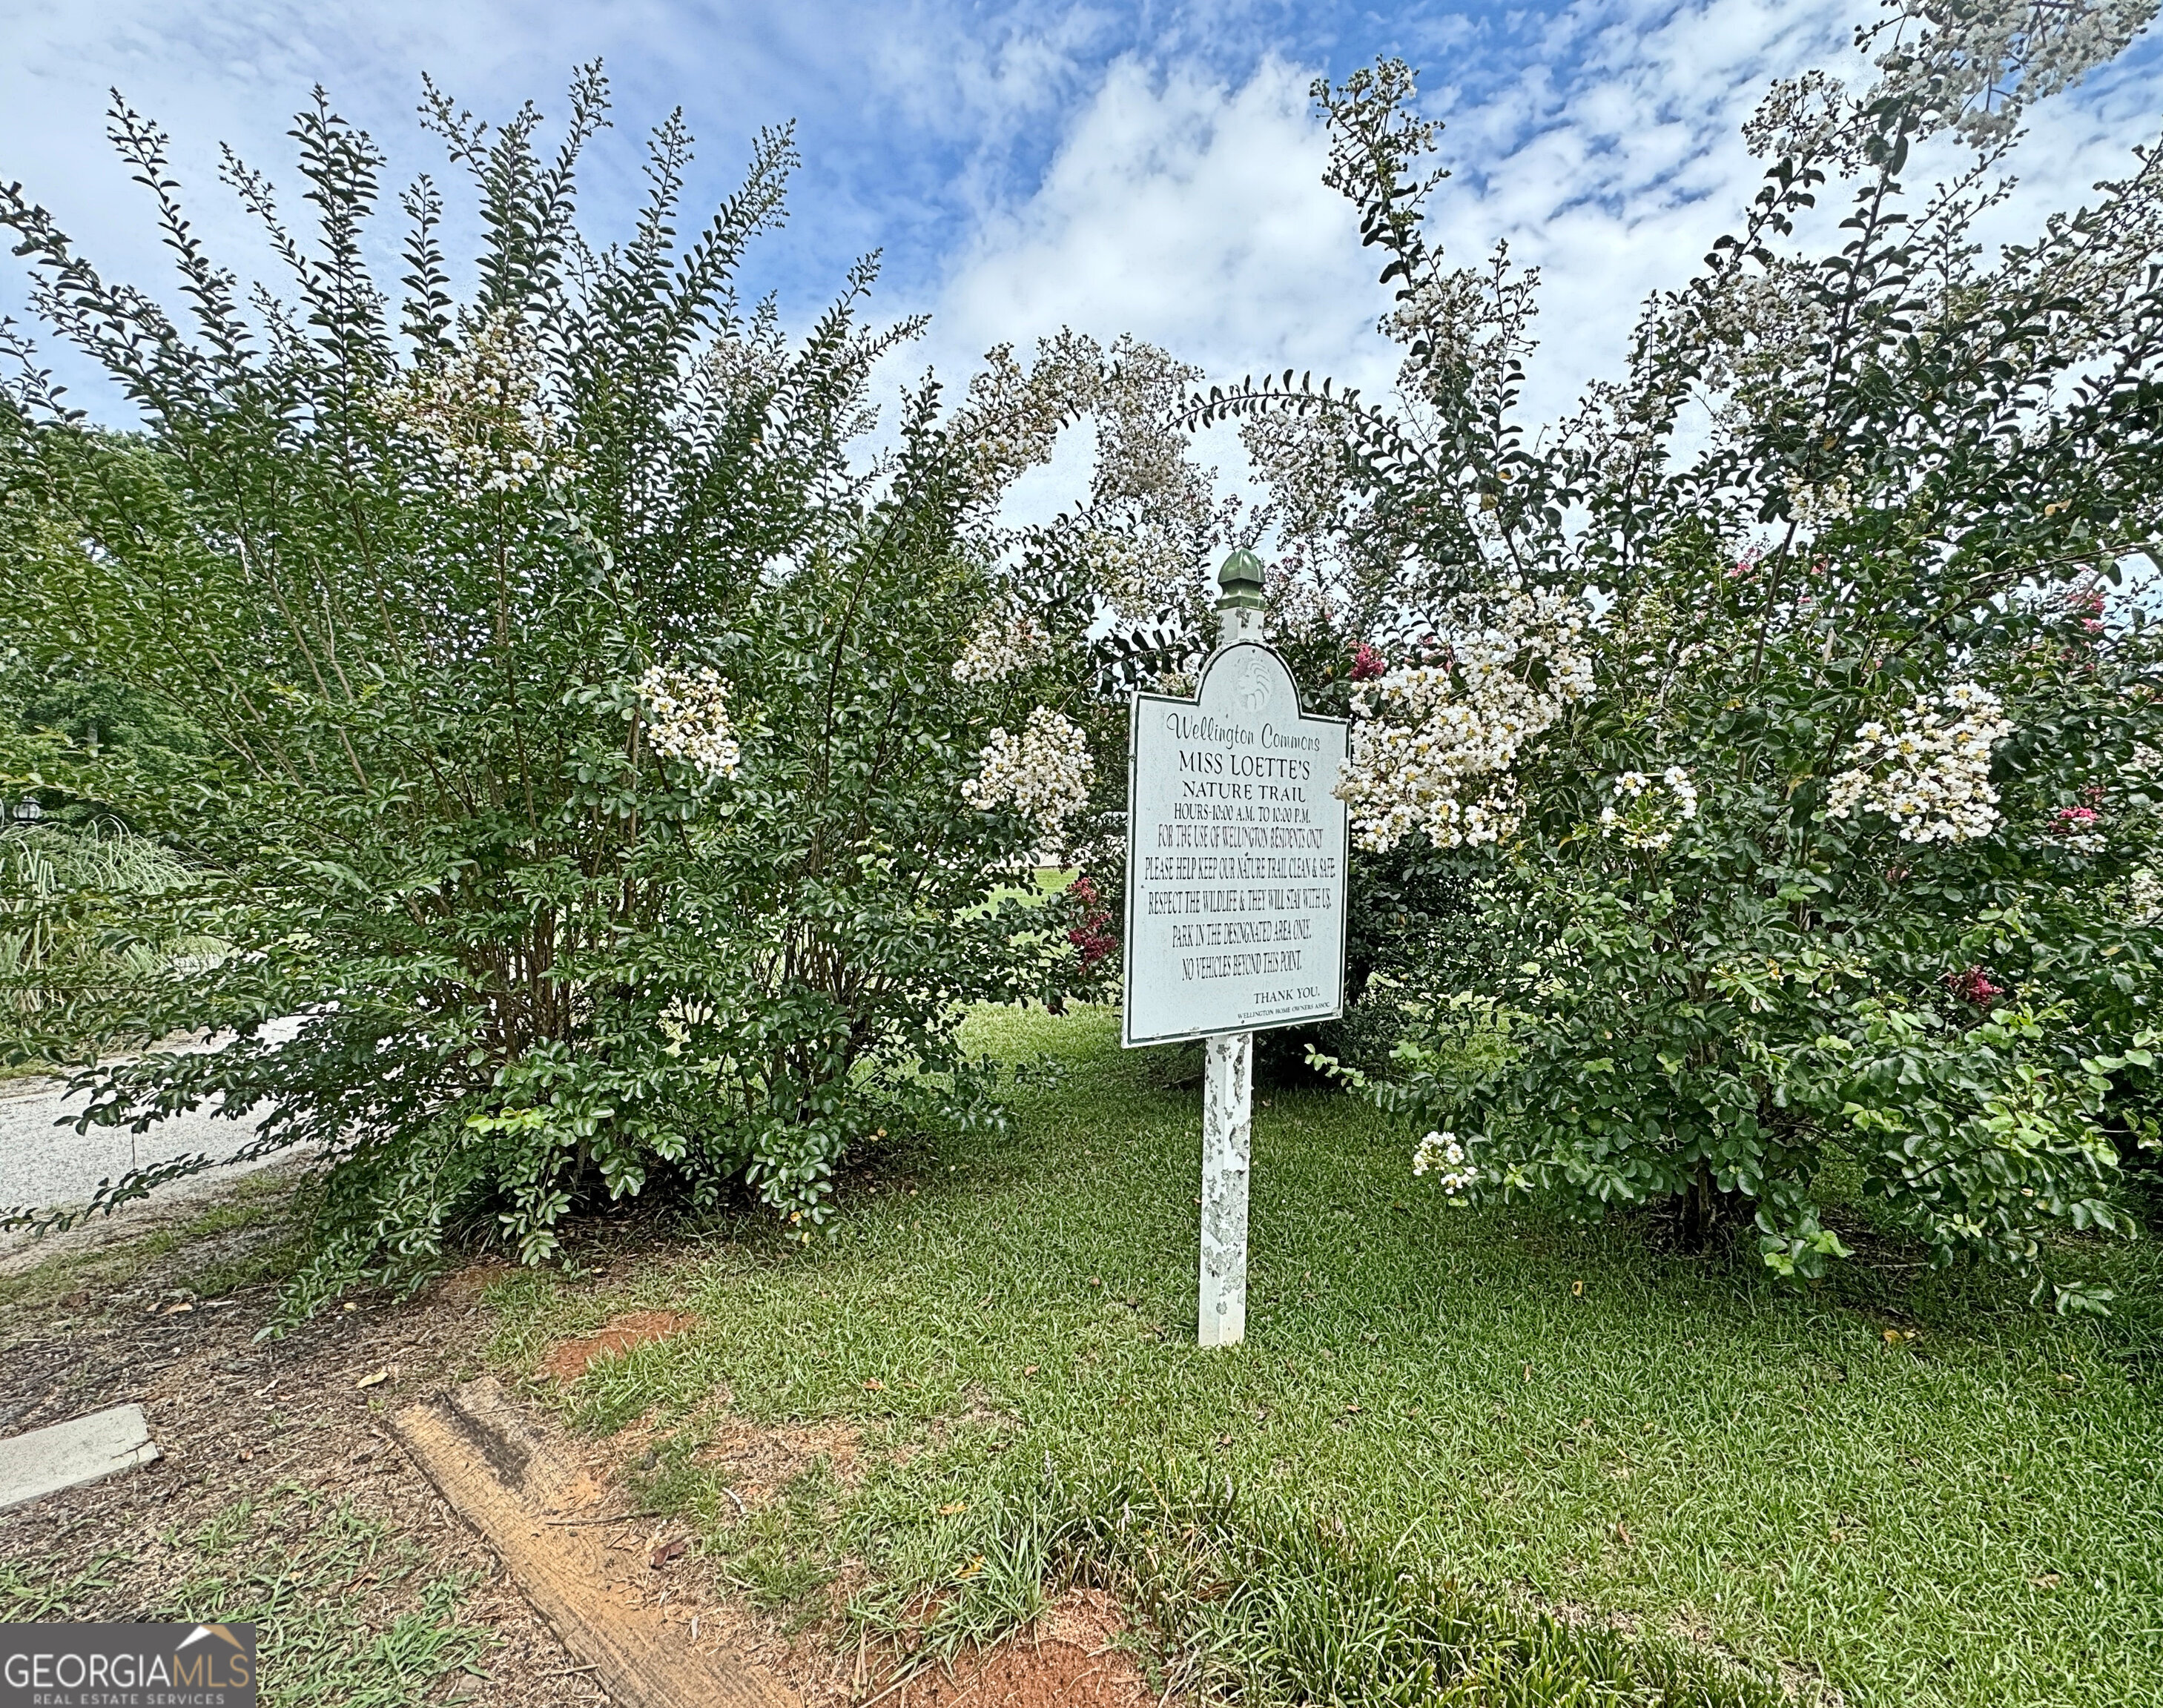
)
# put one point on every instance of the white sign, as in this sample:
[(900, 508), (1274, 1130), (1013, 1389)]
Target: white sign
[(1236, 852)]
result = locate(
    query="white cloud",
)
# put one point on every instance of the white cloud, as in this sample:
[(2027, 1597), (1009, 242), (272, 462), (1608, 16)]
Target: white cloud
[(1066, 169), (1185, 212), (1189, 210), (211, 74), (1191, 214), (1614, 175)]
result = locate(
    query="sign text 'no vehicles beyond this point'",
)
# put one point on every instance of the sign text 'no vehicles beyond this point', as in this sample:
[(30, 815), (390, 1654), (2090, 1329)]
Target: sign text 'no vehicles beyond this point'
[(1236, 856)]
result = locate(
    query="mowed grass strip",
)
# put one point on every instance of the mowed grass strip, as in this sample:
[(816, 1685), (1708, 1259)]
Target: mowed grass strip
[(1494, 1404), (300, 1567)]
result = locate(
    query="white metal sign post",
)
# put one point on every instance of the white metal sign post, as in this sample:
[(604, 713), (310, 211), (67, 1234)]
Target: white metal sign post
[(1236, 853)]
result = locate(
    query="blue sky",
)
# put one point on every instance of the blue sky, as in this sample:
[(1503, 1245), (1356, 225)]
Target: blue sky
[(1152, 168)]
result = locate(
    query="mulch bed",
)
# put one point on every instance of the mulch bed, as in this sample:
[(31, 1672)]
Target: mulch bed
[(235, 1419)]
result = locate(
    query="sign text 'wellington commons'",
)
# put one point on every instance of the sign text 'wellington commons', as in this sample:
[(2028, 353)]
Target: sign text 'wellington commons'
[(1235, 856)]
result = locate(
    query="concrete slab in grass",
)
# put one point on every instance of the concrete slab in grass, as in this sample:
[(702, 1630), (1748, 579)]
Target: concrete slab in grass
[(66, 1455)]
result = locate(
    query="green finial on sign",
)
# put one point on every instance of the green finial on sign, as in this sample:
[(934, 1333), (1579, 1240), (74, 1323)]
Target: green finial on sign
[(1241, 579)]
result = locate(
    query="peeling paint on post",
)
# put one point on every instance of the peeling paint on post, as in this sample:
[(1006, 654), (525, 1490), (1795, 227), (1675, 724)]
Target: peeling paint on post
[(1227, 1135), (1236, 856)]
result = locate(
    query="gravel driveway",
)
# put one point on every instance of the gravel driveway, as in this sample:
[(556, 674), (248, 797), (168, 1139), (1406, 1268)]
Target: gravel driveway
[(44, 1162)]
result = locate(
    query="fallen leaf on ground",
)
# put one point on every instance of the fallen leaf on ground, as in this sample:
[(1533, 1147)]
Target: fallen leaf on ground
[(874, 1385), (662, 1553), (953, 1506), (375, 1379)]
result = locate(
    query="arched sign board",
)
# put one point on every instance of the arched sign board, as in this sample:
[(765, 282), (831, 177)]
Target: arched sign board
[(1236, 854)]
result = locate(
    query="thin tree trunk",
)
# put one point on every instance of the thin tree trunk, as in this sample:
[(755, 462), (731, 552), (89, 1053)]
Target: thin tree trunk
[(1700, 1212)]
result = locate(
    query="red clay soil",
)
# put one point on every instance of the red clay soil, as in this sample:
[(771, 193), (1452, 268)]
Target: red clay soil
[(567, 1360), (1069, 1659)]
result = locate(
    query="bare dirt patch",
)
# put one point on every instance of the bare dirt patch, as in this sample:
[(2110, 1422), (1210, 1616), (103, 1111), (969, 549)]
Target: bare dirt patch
[(760, 1462), (1072, 1658), (567, 1360)]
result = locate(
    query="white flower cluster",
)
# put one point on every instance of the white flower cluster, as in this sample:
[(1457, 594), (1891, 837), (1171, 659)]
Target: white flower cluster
[(1142, 566), (1300, 608), (1006, 641), (687, 717), (1300, 458), (483, 413), (742, 366), (1444, 1156), (2145, 896), (1043, 774), (1446, 311), (1433, 745), (1828, 501), (1150, 516), (1640, 817), (1012, 416), (1931, 775)]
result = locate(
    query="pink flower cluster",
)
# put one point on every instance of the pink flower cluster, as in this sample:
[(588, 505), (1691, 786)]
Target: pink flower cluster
[(2079, 828), (1973, 985), (1093, 936), (1367, 664)]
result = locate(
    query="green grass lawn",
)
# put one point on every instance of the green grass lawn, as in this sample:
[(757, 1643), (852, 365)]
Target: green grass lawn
[(1444, 1423), (294, 1565)]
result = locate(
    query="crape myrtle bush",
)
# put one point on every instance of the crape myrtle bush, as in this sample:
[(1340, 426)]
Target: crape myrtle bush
[(1777, 705), (585, 750)]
